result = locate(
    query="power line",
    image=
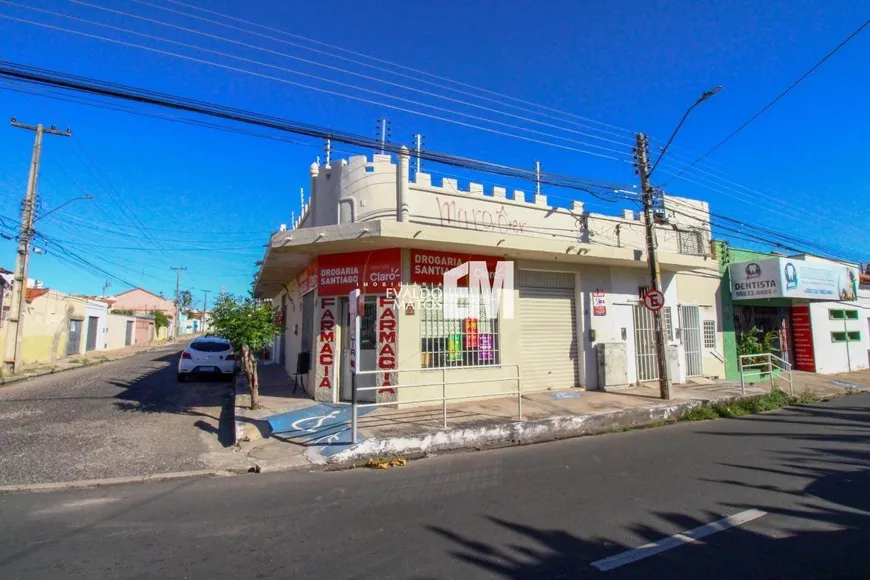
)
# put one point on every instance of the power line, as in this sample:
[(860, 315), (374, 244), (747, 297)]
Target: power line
[(775, 100), (336, 93)]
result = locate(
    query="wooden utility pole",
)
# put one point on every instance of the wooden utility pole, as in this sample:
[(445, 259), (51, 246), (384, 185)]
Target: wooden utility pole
[(648, 198), (22, 259)]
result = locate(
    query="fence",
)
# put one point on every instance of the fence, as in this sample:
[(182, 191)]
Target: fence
[(774, 365), (444, 399)]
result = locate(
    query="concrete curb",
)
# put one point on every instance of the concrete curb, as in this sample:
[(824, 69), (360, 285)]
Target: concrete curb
[(513, 432), (241, 388), (92, 483), (32, 375)]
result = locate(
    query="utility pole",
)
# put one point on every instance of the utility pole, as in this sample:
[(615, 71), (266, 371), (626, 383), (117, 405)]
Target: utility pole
[(106, 285), (418, 149), (383, 131), (204, 307), (22, 259), (647, 195), (178, 271)]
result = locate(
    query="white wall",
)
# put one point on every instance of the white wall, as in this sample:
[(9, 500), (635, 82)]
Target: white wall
[(101, 311), (833, 357)]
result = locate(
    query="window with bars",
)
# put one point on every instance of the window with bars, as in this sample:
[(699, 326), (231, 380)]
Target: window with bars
[(456, 343), (709, 334), (691, 242)]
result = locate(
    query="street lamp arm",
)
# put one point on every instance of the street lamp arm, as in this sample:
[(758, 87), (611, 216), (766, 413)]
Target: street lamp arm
[(700, 100), (64, 204)]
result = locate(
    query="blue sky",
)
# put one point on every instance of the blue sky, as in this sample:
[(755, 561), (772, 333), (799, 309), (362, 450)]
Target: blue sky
[(208, 199)]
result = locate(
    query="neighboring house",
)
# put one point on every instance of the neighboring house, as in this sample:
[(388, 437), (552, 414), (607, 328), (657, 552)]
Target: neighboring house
[(143, 303), (814, 309), (5, 300), (54, 326), (121, 331), (578, 319), (96, 325)]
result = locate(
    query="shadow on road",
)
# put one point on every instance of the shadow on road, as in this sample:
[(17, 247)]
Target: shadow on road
[(158, 391), (820, 530)]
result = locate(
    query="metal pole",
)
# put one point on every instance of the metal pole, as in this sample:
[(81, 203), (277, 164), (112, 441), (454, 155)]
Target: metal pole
[(848, 354), (353, 409), (22, 259), (444, 397), (328, 151), (204, 307), (178, 270), (742, 381), (654, 272), (537, 178), (418, 150)]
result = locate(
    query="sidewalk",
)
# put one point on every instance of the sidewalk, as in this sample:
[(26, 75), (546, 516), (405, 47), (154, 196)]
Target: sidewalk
[(294, 431), (94, 357)]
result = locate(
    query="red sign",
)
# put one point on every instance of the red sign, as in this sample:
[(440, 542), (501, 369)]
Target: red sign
[(326, 343), (306, 279), (599, 303), (654, 300), (802, 329), (428, 267), (372, 272), (387, 343)]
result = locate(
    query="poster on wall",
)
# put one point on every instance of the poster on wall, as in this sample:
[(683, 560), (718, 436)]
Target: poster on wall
[(471, 340), (802, 330), (454, 347), (485, 347), (599, 303)]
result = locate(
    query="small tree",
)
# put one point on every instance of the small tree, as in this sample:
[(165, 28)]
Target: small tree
[(160, 319), (247, 323), (185, 300)]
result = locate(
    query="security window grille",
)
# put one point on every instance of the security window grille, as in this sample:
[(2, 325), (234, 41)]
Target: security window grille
[(691, 242), (669, 326), (709, 334), (456, 343)]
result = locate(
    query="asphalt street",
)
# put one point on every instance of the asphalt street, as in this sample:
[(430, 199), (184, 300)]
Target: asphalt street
[(125, 418), (543, 511)]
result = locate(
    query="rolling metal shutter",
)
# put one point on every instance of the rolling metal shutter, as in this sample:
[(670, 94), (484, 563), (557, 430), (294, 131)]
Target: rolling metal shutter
[(548, 339)]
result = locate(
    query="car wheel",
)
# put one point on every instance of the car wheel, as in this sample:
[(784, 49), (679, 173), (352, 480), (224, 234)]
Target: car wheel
[(181, 378)]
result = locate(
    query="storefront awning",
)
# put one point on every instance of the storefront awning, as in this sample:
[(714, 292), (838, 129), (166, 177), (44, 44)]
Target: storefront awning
[(793, 278)]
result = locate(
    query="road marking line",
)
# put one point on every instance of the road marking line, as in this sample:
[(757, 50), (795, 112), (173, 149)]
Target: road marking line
[(676, 540)]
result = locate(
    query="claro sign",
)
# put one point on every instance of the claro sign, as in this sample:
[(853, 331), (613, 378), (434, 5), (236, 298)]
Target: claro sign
[(792, 278)]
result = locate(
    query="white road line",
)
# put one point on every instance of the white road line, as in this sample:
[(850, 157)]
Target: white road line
[(676, 540)]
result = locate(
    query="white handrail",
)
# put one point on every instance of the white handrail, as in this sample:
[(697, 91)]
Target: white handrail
[(784, 366), (356, 405)]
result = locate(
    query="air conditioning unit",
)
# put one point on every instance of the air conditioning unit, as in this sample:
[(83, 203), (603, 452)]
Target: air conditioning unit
[(612, 366)]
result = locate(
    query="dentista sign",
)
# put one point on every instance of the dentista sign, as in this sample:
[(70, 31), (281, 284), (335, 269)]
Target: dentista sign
[(792, 278)]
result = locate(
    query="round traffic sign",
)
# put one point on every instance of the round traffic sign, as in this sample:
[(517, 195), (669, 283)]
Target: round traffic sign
[(654, 300)]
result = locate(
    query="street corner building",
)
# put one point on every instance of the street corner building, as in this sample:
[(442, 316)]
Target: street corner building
[(578, 320), (814, 313)]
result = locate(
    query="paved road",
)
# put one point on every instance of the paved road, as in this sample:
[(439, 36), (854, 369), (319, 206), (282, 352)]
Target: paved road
[(544, 511), (124, 418)]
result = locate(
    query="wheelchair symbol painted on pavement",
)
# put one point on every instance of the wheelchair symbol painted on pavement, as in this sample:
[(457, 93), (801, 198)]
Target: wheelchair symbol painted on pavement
[(318, 420)]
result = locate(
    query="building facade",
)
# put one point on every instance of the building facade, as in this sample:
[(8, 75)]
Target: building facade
[(811, 311), (579, 278)]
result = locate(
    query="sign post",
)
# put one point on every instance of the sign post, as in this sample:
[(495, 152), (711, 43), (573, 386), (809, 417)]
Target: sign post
[(353, 305)]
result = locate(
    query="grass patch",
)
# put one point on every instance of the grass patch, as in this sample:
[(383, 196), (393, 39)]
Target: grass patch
[(776, 399), (806, 397)]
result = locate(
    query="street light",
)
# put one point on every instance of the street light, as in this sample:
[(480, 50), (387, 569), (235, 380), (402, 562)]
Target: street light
[(700, 100), (64, 204)]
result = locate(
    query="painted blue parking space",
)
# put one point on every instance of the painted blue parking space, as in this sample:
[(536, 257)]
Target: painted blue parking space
[(323, 425)]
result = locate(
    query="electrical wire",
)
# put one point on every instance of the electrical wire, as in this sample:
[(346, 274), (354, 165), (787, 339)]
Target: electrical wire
[(336, 93), (775, 100)]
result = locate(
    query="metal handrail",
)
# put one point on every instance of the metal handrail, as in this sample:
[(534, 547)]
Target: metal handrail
[(783, 365), (356, 405)]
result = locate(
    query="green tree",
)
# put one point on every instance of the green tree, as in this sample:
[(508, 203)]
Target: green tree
[(185, 300), (247, 323), (160, 319)]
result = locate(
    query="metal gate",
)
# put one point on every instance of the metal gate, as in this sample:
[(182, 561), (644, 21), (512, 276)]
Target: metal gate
[(645, 344), (93, 328), (73, 343), (128, 336), (690, 324)]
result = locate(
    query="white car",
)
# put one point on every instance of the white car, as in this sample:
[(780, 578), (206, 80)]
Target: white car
[(207, 356)]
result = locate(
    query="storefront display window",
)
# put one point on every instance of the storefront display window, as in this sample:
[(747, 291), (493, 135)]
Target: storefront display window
[(455, 343)]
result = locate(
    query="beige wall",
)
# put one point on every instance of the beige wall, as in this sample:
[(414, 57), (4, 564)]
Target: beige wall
[(117, 334), (701, 288), (46, 326)]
